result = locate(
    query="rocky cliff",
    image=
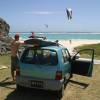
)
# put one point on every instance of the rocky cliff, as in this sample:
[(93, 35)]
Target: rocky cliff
[(5, 40), (4, 27)]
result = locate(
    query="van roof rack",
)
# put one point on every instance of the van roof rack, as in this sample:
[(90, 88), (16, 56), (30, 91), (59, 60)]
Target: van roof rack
[(40, 42)]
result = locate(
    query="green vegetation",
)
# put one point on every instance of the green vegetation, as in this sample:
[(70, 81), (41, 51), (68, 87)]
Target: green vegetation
[(5, 60), (96, 47)]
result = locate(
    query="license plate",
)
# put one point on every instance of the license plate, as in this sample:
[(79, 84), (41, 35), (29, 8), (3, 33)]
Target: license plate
[(37, 84)]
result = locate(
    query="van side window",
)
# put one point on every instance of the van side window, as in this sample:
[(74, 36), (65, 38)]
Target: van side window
[(65, 55)]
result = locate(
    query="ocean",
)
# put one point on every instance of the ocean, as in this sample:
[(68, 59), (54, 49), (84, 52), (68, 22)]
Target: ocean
[(62, 36)]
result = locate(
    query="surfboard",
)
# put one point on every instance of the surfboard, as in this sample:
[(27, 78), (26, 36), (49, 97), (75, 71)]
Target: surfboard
[(40, 42)]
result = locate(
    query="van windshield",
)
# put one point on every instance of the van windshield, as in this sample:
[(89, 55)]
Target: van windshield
[(39, 56)]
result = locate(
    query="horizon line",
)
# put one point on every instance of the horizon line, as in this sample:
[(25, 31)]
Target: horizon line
[(52, 32)]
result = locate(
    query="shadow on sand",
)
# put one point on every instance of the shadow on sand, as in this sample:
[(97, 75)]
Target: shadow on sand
[(31, 94), (26, 93), (7, 83), (83, 85)]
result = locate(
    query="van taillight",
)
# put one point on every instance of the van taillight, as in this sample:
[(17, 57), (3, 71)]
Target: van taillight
[(58, 75), (17, 71)]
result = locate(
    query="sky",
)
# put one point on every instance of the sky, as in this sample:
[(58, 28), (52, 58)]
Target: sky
[(34, 15)]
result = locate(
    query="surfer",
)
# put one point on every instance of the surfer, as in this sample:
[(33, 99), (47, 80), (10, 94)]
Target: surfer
[(70, 41), (14, 58), (34, 36), (15, 44)]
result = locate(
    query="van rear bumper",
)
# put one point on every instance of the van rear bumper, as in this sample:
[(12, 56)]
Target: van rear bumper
[(45, 84)]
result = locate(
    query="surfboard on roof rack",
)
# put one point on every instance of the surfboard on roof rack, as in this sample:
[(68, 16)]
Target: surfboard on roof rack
[(40, 42)]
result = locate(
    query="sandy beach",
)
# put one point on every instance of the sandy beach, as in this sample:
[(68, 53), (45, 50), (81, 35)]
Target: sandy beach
[(75, 43)]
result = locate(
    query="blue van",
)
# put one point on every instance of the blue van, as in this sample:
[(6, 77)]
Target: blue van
[(49, 67)]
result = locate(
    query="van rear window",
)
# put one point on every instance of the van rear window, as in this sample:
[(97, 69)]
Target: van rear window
[(39, 56)]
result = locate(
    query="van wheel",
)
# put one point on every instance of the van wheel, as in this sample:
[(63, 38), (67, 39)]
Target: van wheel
[(65, 82), (71, 75), (19, 88), (60, 93)]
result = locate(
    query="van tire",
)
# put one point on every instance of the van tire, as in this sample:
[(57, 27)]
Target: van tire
[(60, 93), (71, 75), (19, 88)]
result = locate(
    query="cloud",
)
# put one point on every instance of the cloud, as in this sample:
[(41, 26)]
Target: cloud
[(41, 12)]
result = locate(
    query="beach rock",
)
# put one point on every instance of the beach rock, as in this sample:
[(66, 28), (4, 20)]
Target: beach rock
[(4, 27), (5, 40), (5, 45)]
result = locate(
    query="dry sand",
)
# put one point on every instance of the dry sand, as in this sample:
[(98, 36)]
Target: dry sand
[(75, 43)]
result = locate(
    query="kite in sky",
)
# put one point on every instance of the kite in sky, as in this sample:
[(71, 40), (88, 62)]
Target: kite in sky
[(69, 13), (46, 25)]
